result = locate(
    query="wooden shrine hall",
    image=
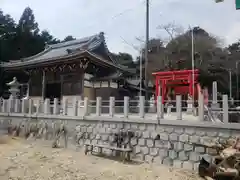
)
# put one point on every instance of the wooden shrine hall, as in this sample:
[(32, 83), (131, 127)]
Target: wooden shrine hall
[(78, 68)]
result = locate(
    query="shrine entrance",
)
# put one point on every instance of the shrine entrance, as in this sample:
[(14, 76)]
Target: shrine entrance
[(53, 90), (172, 83)]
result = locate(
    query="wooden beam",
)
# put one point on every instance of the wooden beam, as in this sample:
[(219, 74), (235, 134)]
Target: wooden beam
[(43, 83)]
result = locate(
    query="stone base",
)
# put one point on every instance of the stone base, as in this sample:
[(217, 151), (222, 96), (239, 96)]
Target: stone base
[(190, 107), (215, 105), (152, 109)]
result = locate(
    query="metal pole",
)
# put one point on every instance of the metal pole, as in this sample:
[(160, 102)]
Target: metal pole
[(237, 95), (193, 84), (141, 54), (146, 47)]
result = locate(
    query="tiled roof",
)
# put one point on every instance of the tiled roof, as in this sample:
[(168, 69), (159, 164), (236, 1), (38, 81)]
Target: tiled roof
[(94, 44)]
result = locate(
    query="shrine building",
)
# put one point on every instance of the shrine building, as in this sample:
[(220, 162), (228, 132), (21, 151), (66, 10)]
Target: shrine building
[(78, 68)]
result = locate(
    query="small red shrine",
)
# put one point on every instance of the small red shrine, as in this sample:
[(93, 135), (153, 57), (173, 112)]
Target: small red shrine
[(180, 82)]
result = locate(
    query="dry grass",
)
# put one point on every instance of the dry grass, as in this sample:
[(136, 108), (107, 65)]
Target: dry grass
[(37, 161), (4, 139)]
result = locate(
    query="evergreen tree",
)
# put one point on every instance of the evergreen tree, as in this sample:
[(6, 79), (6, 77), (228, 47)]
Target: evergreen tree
[(27, 22), (68, 38), (7, 32), (48, 38)]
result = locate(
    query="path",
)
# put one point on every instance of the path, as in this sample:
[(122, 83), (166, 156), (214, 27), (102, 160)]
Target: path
[(21, 160)]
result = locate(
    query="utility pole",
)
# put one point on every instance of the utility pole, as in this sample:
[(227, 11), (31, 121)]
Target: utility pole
[(230, 83), (193, 66), (141, 57), (146, 48), (237, 91)]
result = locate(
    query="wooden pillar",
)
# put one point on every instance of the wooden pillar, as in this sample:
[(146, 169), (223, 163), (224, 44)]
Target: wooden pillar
[(163, 90), (157, 88), (190, 85), (43, 83), (28, 87)]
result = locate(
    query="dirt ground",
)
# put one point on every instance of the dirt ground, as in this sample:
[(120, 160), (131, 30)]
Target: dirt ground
[(21, 160)]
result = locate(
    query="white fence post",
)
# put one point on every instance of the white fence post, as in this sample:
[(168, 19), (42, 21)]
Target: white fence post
[(24, 105), (111, 106), (86, 107), (16, 106), (179, 107), (47, 106), (141, 106), (79, 107), (9, 104), (38, 106), (225, 108), (201, 107), (74, 108), (159, 107), (30, 106), (126, 106), (55, 106), (99, 106), (65, 106), (3, 106)]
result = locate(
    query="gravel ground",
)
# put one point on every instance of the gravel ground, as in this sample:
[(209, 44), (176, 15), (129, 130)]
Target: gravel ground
[(21, 160)]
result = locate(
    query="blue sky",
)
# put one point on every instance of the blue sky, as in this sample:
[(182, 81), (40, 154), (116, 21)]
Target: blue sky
[(123, 21)]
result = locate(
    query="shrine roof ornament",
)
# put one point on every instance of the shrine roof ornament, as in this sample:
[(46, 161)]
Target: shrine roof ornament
[(13, 83)]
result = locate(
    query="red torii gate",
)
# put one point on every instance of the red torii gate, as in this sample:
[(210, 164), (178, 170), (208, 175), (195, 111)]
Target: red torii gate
[(182, 78)]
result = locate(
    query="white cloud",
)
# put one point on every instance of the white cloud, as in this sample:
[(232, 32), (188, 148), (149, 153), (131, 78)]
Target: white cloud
[(86, 17)]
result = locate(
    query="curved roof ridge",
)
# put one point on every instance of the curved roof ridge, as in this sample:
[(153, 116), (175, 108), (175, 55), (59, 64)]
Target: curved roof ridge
[(107, 50), (37, 55), (73, 42)]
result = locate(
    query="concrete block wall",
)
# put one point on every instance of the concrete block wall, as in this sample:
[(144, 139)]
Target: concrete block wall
[(174, 146)]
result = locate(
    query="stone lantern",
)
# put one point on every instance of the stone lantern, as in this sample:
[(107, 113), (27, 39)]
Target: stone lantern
[(14, 88)]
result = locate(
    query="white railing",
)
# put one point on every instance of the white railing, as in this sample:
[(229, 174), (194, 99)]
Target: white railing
[(140, 109)]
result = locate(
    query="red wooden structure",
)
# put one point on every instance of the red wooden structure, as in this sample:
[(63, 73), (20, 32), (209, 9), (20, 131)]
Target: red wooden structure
[(180, 81)]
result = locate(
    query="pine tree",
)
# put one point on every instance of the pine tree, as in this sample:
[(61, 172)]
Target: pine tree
[(27, 22)]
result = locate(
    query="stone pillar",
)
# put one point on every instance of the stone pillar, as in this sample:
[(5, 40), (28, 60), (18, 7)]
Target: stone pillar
[(4, 107), (214, 92), (201, 107), (64, 106), (152, 107), (126, 106), (179, 107), (9, 104), (38, 106), (111, 106), (30, 106), (99, 106), (17, 106), (86, 108), (159, 107), (225, 109), (141, 106), (214, 95), (189, 105), (74, 104), (80, 107), (24, 105), (55, 106), (47, 106)]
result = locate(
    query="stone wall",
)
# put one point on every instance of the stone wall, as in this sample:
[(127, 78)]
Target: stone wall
[(172, 147)]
